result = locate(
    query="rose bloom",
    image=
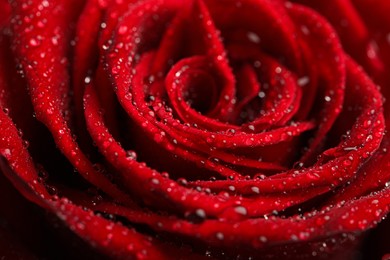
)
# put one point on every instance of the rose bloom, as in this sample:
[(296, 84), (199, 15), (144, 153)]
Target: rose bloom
[(191, 129)]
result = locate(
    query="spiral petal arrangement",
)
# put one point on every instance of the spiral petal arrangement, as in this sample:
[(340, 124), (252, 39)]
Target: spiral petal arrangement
[(202, 128)]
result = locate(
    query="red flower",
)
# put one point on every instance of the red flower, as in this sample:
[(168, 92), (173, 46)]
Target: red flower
[(165, 129)]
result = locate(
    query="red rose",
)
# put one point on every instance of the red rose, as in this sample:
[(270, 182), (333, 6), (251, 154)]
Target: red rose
[(162, 129)]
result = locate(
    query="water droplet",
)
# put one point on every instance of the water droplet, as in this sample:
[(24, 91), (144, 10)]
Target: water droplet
[(303, 235), (347, 162), (200, 213), (241, 210), (6, 111), (303, 81), (54, 41), (367, 123), (253, 37), (34, 42), (7, 152), (151, 113), (182, 181), (261, 94), (80, 226), (122, 29), (87, 80), (115, 70), (249, 141), (263, 239), (305, 30), (219, 235), (131, 155), (155, 181)]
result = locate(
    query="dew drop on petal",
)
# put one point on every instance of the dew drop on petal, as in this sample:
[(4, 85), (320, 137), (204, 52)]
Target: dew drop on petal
[(305, 30), (80, 226), (263, 239), (303, 81), (122, 29), (155, 181), (87, 80), (34, 42), (131, 155), (255, 189), (200, 213), (367, 123), (232, 188), (241, 210), (253, 37), (219, 235), (54, 41), (261, 94), (7, 152), (347, 162)]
